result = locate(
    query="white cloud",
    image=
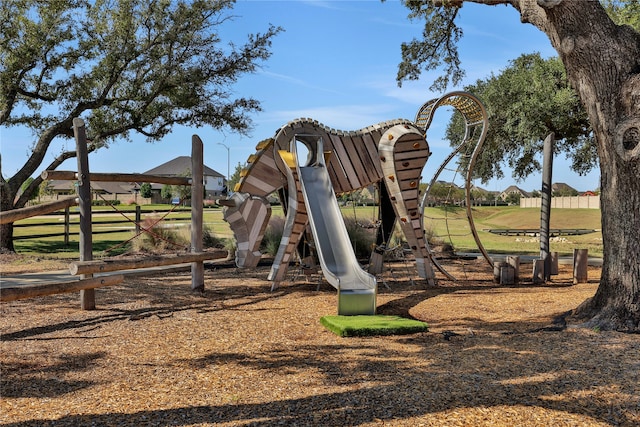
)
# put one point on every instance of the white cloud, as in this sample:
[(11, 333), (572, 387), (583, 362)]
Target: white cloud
[(341, 117), (297, 82)]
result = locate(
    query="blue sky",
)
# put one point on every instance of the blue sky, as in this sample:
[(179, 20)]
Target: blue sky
[(336, 62)]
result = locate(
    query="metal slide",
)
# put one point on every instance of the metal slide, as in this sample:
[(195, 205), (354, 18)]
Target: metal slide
[(356, 288)]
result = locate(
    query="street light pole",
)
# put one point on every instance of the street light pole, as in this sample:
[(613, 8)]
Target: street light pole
[(228, 162)]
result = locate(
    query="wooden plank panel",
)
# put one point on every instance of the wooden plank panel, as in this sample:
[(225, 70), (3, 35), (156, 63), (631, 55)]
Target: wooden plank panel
[(413, 154), (334, 168), (408, 195), (348, 176), (372, 150), (353, 160), (409, 174), (417, 163), (368, 163), (409, 141)]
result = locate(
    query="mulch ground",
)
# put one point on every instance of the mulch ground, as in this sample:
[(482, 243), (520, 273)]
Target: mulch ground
[(156, 354)]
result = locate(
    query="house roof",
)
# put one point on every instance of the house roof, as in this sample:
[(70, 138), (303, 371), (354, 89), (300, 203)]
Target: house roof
[(561, 186), (178, 167), (96, 186), (515, 189)]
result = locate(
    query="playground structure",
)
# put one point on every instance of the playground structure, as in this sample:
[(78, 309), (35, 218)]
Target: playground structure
[(390, 154), (86, 266)]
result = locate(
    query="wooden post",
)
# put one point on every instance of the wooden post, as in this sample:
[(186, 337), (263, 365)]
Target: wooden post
[(545, 206), (66, 226), (580, 263), (197, 203), (507, 275), (375, 263), (138, 219), (554, 264), (538, 271), (514, 261), (497, 267), (87, 296)]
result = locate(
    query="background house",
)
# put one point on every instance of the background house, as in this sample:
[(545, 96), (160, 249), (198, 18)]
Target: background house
[(214, 182), (562, 189), (125, 192), (129, 192), (513, 191)]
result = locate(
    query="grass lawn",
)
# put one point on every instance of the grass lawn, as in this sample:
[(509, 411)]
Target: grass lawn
[(448, 224)]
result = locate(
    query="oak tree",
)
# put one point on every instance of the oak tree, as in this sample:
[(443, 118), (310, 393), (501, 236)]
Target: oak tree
[(134, 66), (602, 61), (525, 102)]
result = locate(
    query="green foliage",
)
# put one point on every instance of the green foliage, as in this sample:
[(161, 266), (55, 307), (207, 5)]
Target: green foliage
[(513, 199), (123, 66), (209, 239), (528, 100), (444, 193), (235, 177), (145, 190), (158, 238), (25, 186), (166, 192), (162, 238), (624, 12), (362, 236), (565, 192), (183, 191), (438, 48), (272, 236), (45, 189)]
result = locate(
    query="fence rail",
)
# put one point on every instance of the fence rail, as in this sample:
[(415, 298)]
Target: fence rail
[(71, 221)]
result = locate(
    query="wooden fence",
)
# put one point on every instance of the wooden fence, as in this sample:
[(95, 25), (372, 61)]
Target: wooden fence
[(86, 266), (66, 221)]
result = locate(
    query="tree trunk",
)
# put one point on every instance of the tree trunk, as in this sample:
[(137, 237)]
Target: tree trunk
[(6, 230), (9, 188), (6, 238), (602, 62)]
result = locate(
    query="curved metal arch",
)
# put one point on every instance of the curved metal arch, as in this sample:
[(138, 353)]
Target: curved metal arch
[(474, 115)]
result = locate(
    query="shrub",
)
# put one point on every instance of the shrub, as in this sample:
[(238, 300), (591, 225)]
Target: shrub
[(146, 190), (209, 240), (362, 236), (272, 236), (159, 239)]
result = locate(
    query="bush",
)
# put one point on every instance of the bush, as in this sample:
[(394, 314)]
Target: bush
[(209, 240), (146, 190), (159, 239), (272, 236), (362, 236)]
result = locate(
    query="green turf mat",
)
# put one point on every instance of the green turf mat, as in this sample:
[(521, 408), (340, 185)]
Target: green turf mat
[(360, 326)]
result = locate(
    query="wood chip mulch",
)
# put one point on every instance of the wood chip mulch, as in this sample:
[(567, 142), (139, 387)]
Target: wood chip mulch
[(156, 354)]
